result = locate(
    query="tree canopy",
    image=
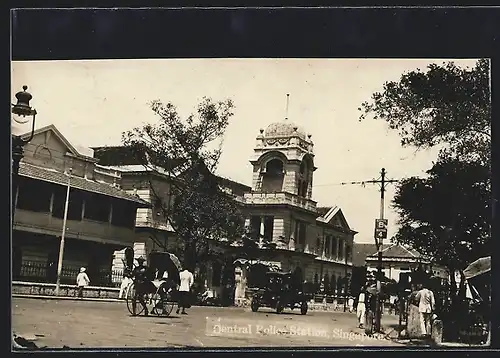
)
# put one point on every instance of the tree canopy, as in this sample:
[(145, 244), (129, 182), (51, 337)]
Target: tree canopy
[(448, 214), (186, 153), (446, 105)]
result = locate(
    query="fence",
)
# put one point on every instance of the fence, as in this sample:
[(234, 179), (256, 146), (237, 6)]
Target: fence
[(36, 271)]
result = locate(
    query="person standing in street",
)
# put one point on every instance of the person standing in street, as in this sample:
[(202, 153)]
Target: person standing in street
[(361, 307), (350, 303), (126, 282), (82, 280), (187, 281), (426, 305)]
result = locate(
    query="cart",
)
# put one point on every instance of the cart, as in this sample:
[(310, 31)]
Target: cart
[(164, 268)]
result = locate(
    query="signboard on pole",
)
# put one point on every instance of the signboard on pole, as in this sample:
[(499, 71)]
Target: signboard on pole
[(380, 230)]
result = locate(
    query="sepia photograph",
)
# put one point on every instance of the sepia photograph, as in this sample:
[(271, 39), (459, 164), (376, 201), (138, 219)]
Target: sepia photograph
[(205, 203)]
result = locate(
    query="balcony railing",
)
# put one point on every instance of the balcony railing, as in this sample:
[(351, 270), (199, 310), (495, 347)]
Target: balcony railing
[(45, 221), (280, 198), (40, 272)]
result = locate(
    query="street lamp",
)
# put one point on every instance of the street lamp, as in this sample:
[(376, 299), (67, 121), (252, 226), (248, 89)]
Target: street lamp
[(21, 113)]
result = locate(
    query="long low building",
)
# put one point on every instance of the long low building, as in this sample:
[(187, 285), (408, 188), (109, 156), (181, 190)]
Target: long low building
[(100, 218)]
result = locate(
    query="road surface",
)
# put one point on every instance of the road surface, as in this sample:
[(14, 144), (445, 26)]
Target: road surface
[(90, 324)]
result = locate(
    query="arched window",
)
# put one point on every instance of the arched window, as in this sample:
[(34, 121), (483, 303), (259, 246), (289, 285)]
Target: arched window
[(274, 167), (272, 180), (303, 182)]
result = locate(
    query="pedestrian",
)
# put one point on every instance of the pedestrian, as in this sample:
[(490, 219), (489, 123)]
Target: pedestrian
[(142, 285), (361, 307), (392, 304), (82, 280), (350, 302), (187, 281), (126, 282), (426, 305)]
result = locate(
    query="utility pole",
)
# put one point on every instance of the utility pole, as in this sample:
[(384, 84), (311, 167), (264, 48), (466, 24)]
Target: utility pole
[(380, 235), (63, 235)]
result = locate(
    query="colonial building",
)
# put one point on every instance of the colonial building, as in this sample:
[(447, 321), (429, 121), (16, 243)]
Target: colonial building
[(293, 233), (397, 260), (100, 216), (315, 241), (153, 230)]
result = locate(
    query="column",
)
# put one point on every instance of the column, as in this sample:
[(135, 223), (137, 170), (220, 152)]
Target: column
[(110, 216), (330, 246), (261, 232)]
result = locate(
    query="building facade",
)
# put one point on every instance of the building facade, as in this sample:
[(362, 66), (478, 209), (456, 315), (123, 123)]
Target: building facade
[(293, 233), (317, 241), (397, 260), (100, 216)]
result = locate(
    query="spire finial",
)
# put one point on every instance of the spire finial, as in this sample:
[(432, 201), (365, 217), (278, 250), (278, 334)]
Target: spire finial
[(287, 101)]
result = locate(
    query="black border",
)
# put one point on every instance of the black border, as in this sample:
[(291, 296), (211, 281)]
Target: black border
[(91, 33)]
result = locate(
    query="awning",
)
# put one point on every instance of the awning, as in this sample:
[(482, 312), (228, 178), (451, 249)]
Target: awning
[(478, 267)]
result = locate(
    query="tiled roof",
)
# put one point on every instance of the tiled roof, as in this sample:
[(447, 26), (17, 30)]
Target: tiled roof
[(361, 251), (53, 176), (399, 251)]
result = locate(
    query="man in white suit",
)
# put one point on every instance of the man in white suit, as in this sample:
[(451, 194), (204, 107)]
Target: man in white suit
[(426, 304)]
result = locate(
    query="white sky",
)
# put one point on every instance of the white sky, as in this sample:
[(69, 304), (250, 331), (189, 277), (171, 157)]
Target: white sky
[(93, 102)]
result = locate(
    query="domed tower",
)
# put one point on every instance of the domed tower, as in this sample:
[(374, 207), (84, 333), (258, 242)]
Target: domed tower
[(283, 160)]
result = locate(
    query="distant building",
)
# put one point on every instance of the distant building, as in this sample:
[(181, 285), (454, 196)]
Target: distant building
[(396, 259), (100, 219)]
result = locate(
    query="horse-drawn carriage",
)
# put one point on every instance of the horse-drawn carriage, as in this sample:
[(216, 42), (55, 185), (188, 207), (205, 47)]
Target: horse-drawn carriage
[(160, 291)]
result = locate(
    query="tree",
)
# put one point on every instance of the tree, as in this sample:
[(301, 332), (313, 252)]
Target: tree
[(447, 105), (446, 215), (186, 154)]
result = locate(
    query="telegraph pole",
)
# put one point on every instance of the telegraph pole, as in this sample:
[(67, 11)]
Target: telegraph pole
[(63, 235), (380, 235)]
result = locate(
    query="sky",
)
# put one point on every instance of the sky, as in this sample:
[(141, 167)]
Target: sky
[(93, 102)]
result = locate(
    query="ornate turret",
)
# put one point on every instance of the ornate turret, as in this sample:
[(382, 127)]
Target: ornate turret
[(283, 162)]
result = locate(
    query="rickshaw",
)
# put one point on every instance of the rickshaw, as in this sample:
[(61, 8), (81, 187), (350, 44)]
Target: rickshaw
[(281, 290), (163, 268)]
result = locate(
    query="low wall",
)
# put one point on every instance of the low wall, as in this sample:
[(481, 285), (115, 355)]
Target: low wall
[(48, 289)]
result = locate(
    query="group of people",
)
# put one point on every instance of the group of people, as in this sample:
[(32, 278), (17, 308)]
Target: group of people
[(141, 278), (423, 299)]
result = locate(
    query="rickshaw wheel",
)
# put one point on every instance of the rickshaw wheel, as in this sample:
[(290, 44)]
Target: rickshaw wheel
[(303, 308), (163, 307), (130, 301)]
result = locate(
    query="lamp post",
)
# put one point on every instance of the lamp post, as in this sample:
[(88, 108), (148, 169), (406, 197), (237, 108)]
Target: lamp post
[(21, 113), (63, 235)]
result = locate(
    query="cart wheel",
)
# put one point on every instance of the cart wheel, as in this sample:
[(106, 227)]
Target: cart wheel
[(168, 303), (131, 301), (279, 307), (303, 308), (254, 305)]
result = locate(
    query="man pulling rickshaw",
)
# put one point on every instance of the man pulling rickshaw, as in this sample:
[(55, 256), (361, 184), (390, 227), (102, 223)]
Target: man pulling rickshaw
[(154, 286)]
